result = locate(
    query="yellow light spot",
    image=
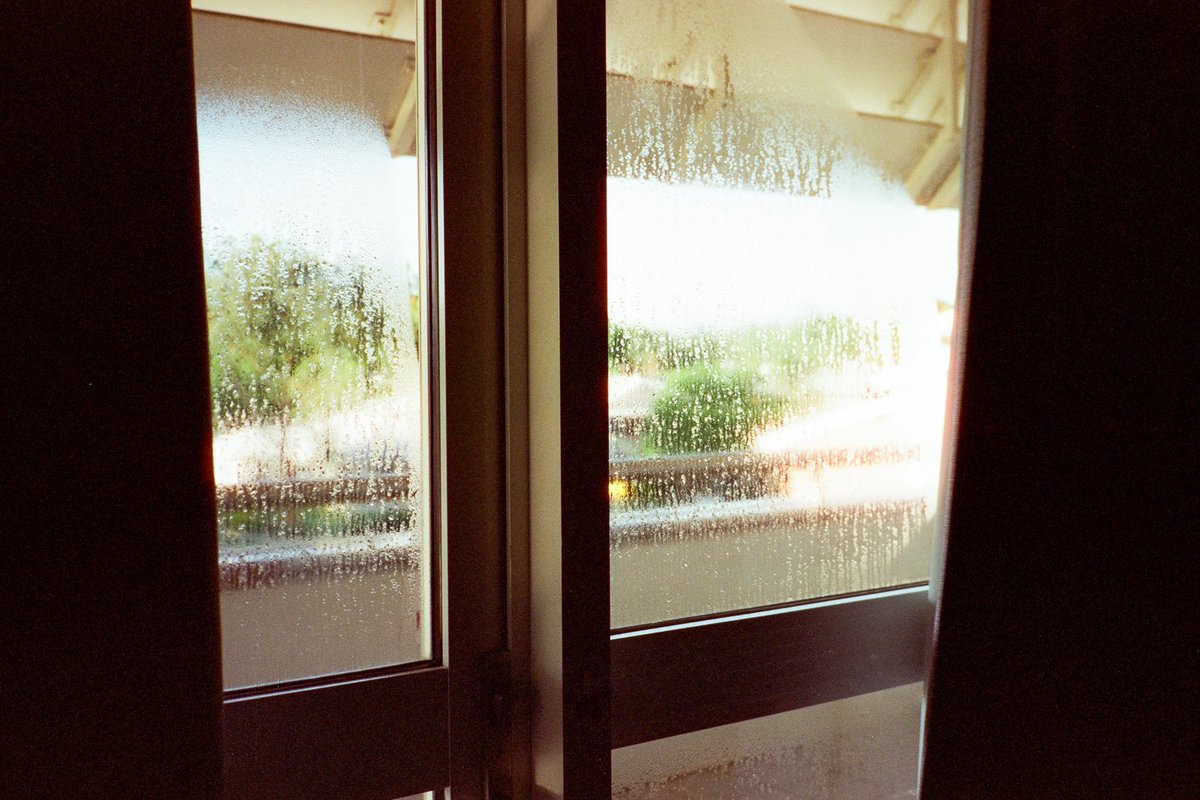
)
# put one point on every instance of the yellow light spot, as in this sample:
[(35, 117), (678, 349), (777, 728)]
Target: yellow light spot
[(618, 490)]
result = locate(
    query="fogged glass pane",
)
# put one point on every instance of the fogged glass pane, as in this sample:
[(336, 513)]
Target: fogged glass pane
[(309, 211), (782, 256), (860, 748)]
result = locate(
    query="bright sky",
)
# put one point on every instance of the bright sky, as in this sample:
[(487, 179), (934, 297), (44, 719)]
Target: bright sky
[(317, 177), (689, 257), (681, 257)]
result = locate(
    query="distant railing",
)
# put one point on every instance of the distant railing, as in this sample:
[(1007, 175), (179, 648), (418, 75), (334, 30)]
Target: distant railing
[(733, 475), (748, 463), (739, 490), (301, 492), (281, 559), (253, 568)]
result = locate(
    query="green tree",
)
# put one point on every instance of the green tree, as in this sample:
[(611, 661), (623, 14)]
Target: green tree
[(290, 334)]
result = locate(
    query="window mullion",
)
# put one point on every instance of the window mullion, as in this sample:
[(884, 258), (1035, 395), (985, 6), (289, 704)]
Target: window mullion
[(566, 171)]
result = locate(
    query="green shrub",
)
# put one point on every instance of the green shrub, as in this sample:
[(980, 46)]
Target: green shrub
[(706, 409)]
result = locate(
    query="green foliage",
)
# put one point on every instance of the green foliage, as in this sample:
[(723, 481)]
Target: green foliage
[(794, 351), (703, 409), (633, 349), (290, 334), (270, 522), (819, 343)]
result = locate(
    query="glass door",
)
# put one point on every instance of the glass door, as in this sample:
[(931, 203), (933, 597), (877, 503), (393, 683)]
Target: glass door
[(783, 181), (313, 272), (361, 575)]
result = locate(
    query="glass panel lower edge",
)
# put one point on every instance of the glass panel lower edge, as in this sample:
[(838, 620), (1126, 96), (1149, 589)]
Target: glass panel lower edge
[(860, 747)]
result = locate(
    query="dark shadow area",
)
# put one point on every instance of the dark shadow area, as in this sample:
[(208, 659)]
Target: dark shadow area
[(1064, 665)]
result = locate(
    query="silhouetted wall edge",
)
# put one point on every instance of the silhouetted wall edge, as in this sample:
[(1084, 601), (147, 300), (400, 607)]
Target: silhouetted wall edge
[(111, 648), (1064, 665)]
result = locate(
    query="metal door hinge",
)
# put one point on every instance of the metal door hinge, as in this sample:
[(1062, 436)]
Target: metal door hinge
[(498, 685)]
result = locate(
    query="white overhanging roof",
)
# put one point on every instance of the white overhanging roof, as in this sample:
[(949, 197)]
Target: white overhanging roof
[(898, 64)]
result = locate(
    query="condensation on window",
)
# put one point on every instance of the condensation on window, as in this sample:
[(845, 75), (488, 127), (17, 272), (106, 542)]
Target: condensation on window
[(782, 256), (860, 747), (309, 225)]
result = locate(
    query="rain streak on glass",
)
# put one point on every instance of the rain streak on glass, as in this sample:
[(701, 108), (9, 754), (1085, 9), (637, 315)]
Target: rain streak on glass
[(309, 214), (852, 749), (782, 249)]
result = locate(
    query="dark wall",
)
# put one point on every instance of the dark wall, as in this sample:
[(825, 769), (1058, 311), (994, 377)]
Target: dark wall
[(111, 682), (1065, 664)]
